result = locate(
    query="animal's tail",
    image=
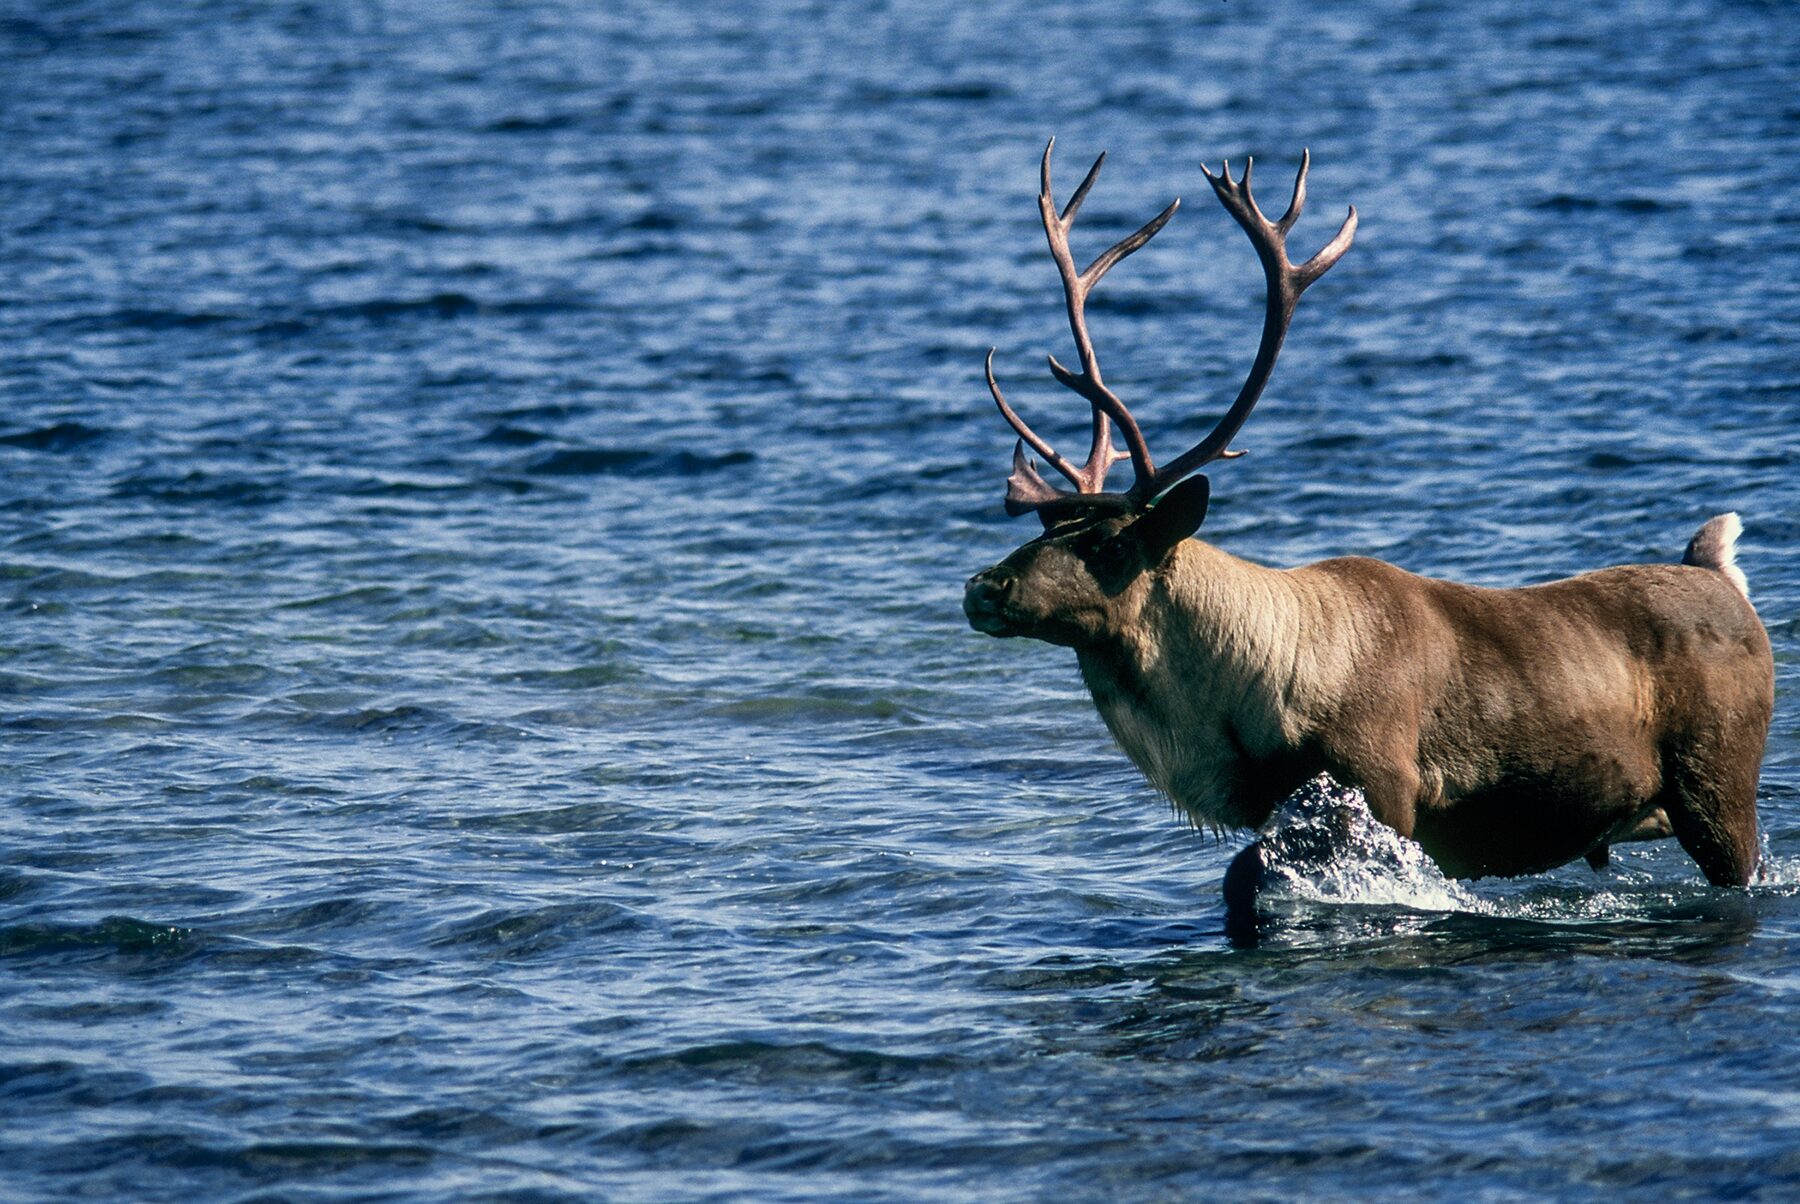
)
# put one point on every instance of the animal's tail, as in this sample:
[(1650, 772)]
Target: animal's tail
[(1714, 547)]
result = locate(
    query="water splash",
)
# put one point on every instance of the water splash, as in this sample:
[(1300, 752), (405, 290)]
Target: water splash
[(1325, 846), (1775, 873)]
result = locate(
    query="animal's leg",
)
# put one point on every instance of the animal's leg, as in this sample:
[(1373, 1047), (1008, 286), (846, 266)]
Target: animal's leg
[(1652, 825), (1392, 789), (1711, 804)]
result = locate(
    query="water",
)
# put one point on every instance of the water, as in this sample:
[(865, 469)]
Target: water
[(487, 491)]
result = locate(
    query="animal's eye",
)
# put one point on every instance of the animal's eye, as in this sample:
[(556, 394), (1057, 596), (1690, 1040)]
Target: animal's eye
[(1108, 558)]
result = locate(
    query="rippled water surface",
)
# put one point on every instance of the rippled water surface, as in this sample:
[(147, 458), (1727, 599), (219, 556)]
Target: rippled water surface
[(485, 493)]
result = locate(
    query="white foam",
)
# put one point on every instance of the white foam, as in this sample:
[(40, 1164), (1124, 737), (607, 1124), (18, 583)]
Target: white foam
[(1325, 846)]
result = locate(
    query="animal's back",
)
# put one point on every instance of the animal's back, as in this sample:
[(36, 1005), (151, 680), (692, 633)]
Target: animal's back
[(1690, 626)]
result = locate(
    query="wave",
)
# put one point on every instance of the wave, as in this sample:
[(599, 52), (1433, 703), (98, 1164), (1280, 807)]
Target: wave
[(512, 932), (284, 321), (198, 487), (57, 437), (633, 462), (114, 934), (1565, 202)]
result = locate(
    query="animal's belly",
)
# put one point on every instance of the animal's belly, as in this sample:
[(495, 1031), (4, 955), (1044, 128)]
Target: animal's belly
[(1525, 827)]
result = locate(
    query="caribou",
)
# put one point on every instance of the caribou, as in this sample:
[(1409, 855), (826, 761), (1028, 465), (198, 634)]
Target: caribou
[(1507, 731)]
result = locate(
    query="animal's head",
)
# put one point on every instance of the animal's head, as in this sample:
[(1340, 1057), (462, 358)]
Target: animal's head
[(1088, 574)]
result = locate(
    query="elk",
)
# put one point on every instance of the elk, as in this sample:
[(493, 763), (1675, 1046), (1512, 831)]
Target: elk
[(1507, 731)]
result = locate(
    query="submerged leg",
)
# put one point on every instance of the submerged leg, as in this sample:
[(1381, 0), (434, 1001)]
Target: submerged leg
[(1245, 879)]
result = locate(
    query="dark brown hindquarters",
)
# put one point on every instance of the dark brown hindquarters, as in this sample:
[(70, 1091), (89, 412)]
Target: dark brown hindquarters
[(1712, 753)]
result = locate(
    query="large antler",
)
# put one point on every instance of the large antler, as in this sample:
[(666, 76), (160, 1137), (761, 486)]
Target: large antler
[(1026, 490), (1285, 284)]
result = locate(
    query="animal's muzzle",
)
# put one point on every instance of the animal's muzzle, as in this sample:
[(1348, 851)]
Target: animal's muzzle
[(985, 600)]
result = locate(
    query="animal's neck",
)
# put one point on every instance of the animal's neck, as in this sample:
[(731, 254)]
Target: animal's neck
[(1205, 686)]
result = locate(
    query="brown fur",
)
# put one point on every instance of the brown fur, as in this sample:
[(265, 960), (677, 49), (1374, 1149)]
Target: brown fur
[(1506, 730)]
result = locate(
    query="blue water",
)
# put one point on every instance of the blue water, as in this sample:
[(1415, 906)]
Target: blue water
[(485, 492)]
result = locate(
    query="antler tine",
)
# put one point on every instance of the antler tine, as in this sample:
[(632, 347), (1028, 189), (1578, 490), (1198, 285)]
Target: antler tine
[(1026, 490), (1069, 211), (1299, 202), (1025, 433), (1103, 262), (1329, 254), (1285, 284)]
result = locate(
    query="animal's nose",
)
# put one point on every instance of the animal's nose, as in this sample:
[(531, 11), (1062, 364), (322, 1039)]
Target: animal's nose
[(986, 593)]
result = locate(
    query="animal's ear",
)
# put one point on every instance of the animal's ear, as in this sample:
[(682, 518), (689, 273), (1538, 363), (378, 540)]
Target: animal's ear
[(1175, 517)]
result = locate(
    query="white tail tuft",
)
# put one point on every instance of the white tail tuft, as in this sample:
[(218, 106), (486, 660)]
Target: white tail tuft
[(1714, 546)]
